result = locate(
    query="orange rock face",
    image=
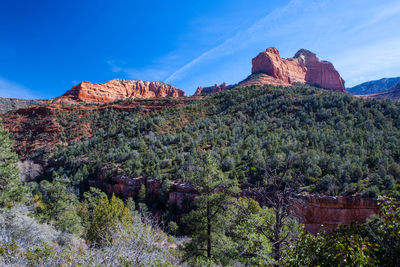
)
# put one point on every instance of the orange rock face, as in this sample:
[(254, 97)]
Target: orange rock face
[(269, 68), (304, 68), (326, 213), (212, 89), (118, 89)]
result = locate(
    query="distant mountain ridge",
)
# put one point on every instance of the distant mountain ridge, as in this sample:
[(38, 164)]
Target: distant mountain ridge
[(373, 87), (392, 93)]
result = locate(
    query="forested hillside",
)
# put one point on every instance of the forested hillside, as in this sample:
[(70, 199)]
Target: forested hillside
[(271, 142), (343, 145)]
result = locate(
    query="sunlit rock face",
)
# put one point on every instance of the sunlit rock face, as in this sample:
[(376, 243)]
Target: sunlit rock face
[(269, 68), (304, 67), (119, 89)]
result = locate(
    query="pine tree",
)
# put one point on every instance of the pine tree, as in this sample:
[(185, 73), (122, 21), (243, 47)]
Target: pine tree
[(11, 188), (209, 219)]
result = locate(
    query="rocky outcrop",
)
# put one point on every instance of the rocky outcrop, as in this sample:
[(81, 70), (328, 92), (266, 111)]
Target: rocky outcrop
[(118, 89), (180, 195), (304, 67), (392, 93), (269, 68), (316, 213), (213, 89), (9, 104), (326, 213)]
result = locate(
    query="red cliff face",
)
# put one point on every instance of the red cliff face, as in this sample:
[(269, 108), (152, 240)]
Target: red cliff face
[(118, 89), (304, 68), (317, 213), (212, 89), (269, 68)]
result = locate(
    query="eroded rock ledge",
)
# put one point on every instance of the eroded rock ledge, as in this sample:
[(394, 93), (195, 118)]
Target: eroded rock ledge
[(315, 212)]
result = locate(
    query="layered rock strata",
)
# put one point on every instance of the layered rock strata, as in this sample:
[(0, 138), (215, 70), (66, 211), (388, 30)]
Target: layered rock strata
[(118, 89), (304, 67), (316, 213)]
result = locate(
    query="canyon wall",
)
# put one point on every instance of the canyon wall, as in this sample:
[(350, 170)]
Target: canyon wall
[(315, 212)]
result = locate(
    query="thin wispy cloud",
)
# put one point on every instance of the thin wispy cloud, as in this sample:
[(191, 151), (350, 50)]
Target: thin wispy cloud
[(359, 37), (148, 74), (10, 89), (227, 47)]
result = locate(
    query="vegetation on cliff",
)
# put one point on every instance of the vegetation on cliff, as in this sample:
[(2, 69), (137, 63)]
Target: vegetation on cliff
[(311, 140), (343, 145)]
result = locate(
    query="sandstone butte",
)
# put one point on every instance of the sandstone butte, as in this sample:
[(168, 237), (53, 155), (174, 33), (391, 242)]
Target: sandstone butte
[(305, 67), (118, 89)]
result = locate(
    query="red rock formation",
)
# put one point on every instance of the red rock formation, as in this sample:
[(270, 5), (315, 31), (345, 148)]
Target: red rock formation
[(304, 68), (118, 89), (213, 89), (326, 213), (392, 93), (316, 213), (269, 68)]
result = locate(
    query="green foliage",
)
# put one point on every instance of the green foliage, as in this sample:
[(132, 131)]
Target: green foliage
[(107, 215), (11, 188), (253, 228), (342, 142), (59, 206), (208, 222), (375, 243)]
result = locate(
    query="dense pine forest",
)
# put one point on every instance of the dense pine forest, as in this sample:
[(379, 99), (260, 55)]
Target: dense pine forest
[(285, 140)]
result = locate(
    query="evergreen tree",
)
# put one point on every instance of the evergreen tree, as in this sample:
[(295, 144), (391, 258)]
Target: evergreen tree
[(11, 188), (107, 215), (60, 206), (212, 214)]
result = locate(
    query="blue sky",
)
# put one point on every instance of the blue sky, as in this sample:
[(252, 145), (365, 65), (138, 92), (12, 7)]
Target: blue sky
[(46, 47)]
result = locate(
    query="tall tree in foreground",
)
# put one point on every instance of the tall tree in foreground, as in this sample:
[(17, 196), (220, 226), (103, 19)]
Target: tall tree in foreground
[(277, 196), (11, 188), (212, 213)]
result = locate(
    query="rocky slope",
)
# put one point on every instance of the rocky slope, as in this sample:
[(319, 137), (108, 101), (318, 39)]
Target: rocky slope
[(373, 87), (8, 104), (269, 68), (41, 127), (118, 89)]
